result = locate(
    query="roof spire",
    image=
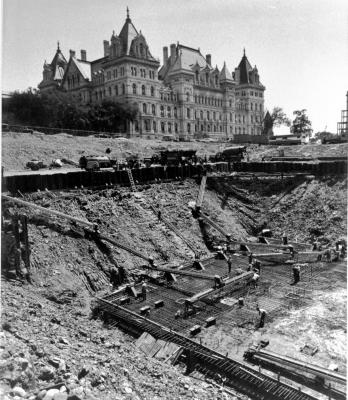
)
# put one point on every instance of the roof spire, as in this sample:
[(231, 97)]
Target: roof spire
[(244, 51), (58, 46), (128, 13)]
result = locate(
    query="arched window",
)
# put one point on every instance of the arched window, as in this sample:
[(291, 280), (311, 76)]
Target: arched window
[(208, 128), (154, 126), (169, 127), (110, 90), (239, 130), (201, 114), (143, 90), (208, 115), (195, 98), (134, 88), (162, 127), (231, 117), (205, 100), (206, 78), (144, 108), (116, 90), (214, 115), (176, 127), (188, 128), (168, 112), (161, 95), (188, 113), (152, 91), (153, 109), (123, 88), (197, 77), (175, 112), (187, 96), (162, 111), (216, 80)]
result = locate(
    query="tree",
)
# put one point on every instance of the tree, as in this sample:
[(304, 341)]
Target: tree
[(279, 117), (301, 124), (59, 109), (324, 135), (276, 118)]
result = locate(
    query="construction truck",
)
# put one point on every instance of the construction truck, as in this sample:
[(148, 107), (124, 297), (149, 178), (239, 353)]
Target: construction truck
[(230, 154), (178, 157), (95, 163), (151, 161)]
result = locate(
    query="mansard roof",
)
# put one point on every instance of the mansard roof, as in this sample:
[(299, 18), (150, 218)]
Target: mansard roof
[(190, 57)]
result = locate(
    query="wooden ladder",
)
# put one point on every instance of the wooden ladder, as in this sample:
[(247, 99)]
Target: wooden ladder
[(131, 180)]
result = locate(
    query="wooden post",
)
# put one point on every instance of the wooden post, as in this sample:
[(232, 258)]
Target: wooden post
[(24, 221), (15, 230)]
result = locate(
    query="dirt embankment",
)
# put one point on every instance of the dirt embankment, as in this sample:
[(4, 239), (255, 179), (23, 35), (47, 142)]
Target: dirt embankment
[(303, 209), (19, 148)]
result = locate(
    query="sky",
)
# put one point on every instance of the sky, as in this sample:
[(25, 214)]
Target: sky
[(300, 47)]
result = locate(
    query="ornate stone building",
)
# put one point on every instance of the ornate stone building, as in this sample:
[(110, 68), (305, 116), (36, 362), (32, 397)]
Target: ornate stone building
[(186, 96)]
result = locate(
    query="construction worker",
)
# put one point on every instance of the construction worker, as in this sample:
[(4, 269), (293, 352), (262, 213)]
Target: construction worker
[(255, 280), (257, 266), (285, 240), (144, 290), (159, 214), (296, 270), (327, 254), (262, 314), (292, 251), (114, 278), (229, 263)]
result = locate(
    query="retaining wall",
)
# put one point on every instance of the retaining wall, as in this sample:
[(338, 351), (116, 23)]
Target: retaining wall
[(31, 183)]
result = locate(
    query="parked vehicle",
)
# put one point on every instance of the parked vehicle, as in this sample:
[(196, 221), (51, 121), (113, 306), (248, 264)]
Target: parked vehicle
[(230, 154), (95, 163)]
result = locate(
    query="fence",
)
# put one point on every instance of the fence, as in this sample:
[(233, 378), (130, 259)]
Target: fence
[(54, 131)]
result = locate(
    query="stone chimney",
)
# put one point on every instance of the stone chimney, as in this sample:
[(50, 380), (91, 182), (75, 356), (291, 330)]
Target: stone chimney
[(72, 53), (172, 53), (208, 58), (106, 48), (83, 55), (165, 55)]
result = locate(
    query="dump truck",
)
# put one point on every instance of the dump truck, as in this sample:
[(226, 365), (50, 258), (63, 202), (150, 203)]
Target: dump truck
[(229, 154)]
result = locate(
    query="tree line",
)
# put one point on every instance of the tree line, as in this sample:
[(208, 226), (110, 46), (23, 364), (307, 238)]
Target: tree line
[(61, 110)]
